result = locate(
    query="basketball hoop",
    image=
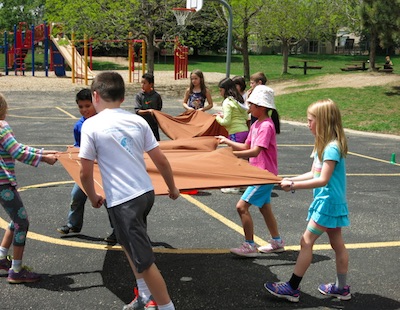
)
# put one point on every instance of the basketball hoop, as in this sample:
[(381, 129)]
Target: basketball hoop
[(181, 14)]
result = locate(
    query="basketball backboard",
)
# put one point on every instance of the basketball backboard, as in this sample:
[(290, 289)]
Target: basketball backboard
[(194, 4)]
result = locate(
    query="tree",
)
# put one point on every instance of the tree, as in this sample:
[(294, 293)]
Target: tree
[(112, 20), (333, 15), (380, 22), (288, 23), (245, 16), (203, 31), (12, 12)]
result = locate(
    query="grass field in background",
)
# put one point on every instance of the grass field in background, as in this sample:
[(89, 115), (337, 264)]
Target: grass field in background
[(270, 64), (372, 108)]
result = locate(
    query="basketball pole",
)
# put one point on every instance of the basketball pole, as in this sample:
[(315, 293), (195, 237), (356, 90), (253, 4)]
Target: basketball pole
[(229, 41), (197, 5)]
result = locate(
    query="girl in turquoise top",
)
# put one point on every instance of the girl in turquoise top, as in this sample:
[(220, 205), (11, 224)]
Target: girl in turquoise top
[(328, 212), (234, 111), (11, 150)]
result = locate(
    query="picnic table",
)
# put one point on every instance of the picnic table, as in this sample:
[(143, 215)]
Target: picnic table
[(305, 67), (356, 65), (386, 69)]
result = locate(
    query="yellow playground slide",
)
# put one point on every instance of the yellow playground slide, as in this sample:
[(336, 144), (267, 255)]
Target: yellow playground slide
[(64, 46)]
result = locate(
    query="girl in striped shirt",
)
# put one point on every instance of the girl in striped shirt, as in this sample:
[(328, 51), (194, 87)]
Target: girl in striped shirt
[(11, 150)]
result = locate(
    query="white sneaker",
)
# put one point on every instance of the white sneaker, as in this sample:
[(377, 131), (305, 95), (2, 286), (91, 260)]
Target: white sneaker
[(231, 190), (273, 247)]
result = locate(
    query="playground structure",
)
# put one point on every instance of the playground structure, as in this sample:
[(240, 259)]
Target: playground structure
[(71, 55), (81, 65), (61, 51), (25, 39), (181, 54)]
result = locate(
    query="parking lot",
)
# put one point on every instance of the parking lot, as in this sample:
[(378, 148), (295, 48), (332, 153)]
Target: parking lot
[(193, 234)]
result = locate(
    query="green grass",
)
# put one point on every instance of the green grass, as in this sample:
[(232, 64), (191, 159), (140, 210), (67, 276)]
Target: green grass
[(372, 109), (271, 65)]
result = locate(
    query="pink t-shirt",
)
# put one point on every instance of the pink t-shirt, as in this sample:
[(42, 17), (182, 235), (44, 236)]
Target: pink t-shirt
[(263, 134)]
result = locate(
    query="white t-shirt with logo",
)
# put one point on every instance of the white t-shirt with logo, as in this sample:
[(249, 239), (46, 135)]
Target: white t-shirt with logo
[(117, 139)]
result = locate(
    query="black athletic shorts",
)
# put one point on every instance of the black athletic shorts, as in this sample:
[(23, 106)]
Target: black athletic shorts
[(130, 223)]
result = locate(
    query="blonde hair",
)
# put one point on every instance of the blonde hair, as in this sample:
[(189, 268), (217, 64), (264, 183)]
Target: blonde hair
[(3, 107), (328, 126)]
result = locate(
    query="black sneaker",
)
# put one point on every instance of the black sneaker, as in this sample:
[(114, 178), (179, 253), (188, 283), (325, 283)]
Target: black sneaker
[(111, 238), (65, 230)]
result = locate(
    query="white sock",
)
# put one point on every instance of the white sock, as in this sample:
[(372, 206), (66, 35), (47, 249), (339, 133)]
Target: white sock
[(3, 252), (16, 265), (168, 306), (144, 291)]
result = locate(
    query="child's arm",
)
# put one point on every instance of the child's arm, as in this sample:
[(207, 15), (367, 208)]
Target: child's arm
[(24, 153), (253, 152), (86, 175), (138, 103), (209, 101), (159, 103), (301, 177), (185, 100), (226, 118), (49, 158), (307, 180), (236, 146), (162, 164)]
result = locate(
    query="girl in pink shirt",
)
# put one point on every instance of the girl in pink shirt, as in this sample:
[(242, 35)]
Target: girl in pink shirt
[(261, 149)]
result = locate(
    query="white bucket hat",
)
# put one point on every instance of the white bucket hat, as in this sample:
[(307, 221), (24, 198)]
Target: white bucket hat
[(262, 96)]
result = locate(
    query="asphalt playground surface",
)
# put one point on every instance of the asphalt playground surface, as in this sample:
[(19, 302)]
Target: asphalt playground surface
[(193, 234)]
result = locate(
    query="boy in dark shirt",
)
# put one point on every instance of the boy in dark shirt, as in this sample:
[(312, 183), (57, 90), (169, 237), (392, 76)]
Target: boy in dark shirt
[(148, 100)]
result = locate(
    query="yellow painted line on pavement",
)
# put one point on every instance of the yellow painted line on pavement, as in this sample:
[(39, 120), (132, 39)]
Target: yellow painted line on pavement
[(221, 218), (373, 174), (48, 184), (373, 158), (36, 117), (206, 209), (353, 175), (69, 114), (41, 117)]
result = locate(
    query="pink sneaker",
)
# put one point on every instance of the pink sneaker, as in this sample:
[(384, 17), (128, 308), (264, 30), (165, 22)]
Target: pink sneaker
[(246, 250), (273, 247)]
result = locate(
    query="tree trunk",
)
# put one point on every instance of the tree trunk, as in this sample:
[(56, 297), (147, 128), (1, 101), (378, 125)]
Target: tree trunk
[(246, 60), (150, 51), (372, 52), (285, 55)]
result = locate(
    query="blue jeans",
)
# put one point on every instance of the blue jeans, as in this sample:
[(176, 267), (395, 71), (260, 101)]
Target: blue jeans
[(77, 208)]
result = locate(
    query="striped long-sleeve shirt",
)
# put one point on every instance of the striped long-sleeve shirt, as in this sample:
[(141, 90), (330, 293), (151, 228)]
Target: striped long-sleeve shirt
[(11, 150)]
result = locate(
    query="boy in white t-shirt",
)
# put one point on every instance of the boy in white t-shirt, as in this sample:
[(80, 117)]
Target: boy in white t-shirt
[(117, 139)]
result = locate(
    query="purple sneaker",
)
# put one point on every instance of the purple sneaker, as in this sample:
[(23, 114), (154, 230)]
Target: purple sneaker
[(332, 290), (23, 276), (5, 263), (283, 290)]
